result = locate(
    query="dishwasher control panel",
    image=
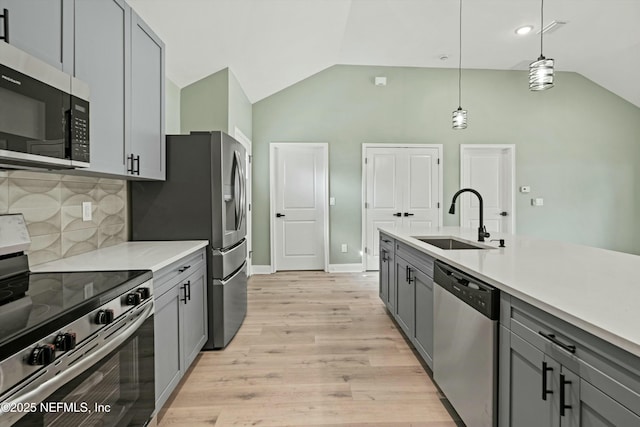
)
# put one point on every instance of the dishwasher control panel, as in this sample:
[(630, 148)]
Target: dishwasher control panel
[(482, 297)]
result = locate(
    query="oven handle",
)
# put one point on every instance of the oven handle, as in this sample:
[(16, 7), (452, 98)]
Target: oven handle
[(45, 389)]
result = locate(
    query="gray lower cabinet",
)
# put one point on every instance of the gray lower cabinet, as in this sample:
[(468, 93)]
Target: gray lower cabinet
[(387, 282), (180, 321), (405, 297), (168, 357), (413, 280), (423, 331), (146, 147), (43, 29), (553, 374), (105, 23)]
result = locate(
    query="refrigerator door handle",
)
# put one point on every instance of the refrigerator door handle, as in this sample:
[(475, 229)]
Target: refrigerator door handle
[(240, 201)]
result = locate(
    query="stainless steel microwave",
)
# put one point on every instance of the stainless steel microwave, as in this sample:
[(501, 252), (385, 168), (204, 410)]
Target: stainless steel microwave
[(44, 114)]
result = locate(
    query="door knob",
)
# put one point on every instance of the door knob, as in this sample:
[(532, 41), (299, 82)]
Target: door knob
[(397, 214), (278, 215), (503, 214), (408, 214)]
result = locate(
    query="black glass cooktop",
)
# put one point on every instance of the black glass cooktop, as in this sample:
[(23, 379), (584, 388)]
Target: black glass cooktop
[(34, 305)]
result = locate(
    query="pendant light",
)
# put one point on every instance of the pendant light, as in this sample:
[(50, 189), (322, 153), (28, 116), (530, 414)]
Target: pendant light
[(460, 115), (541, 71)]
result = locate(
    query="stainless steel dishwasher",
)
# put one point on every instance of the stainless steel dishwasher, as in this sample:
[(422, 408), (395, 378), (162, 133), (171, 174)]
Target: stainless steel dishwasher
[(465, 338)]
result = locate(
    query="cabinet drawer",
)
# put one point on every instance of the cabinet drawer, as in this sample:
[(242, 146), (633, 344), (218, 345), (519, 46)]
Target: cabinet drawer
[(167, 277), (603, 365), (419, 259), (387, 243)]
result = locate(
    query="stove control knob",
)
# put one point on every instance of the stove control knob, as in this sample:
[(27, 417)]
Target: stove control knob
[(144, 292), (104, 317), (65, 341), (134, 298), (42, 355)]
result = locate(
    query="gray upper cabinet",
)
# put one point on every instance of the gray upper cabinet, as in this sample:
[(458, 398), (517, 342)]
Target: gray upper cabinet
[(101, 60), (43, 29), (146, 148)]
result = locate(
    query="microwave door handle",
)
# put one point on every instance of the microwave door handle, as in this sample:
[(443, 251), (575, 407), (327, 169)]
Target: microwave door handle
[(44, 390)]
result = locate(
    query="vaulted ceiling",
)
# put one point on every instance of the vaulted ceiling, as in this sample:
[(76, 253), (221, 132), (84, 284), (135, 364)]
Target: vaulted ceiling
[(272, 44)]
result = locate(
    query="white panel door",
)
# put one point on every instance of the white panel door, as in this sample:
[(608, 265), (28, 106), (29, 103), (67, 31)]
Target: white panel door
[(402, 190), (488, 171), (299, 206)]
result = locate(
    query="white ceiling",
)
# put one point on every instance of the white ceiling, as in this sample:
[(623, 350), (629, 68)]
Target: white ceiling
[(272, 44)]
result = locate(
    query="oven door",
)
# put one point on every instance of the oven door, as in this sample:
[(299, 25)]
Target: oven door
[(116, 390)]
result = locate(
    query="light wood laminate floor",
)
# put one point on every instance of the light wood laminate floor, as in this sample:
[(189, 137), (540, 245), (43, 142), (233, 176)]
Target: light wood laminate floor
[(315, 349)]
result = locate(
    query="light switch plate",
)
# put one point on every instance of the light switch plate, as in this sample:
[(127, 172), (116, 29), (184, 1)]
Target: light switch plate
[(344, 247), (86, 211), (332, 201), (537, 202)]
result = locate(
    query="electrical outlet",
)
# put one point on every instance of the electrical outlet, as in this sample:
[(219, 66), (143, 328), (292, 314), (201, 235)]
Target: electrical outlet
[(344, 247), (332, 201), (525, 189), (86, 211)]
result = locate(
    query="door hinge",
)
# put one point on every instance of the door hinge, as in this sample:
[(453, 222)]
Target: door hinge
[(250, 253), (366, 205), (438, 161), (366, 160), (249, 206), (366, 250), (438, 205), (250, 158)]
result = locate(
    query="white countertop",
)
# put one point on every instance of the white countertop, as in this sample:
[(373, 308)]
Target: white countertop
[(126, 256), (595, 289)]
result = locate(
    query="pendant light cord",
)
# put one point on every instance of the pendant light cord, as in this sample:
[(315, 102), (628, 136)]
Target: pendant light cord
[(541, 24), (460, 60)]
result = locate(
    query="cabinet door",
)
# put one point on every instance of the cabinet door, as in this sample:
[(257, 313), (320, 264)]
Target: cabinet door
[(423, 335), (168, 357), (593, 408), (101, 60), (147, 100), (384, 275), (42, 28), (524, 369), (194, 317), (405, 296)]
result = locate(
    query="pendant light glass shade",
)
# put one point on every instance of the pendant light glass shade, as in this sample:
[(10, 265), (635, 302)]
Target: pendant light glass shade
[(541, 74), (459, 118), (541, 70)]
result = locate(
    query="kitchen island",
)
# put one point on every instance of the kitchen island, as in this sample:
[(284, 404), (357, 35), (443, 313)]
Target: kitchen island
[(568, 321)]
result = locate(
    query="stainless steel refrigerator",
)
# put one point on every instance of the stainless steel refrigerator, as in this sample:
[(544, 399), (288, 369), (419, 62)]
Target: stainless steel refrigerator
[(203, 198)]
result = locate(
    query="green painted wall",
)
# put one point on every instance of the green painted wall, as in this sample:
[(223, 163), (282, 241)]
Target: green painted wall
[(240, 108), (204, 104), (172, 108), (578, 146), (216, 102)]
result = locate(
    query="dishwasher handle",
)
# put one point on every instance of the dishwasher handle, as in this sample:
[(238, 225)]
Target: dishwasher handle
[(482, 297)]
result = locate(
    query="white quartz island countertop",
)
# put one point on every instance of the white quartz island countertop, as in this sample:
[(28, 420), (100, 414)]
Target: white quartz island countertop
[(595, 289), (126, 256)]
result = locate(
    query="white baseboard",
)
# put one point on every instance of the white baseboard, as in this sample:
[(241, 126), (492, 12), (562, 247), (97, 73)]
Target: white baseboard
[(261, 269), (345, 268)]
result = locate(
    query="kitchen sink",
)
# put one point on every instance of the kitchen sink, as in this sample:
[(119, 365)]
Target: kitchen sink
[(449, 243)]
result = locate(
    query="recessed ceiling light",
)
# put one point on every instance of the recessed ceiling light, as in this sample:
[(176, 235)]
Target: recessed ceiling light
[(521, 31)]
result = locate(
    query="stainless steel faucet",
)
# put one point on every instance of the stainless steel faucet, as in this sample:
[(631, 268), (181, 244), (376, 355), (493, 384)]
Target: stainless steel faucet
[(482, 230)]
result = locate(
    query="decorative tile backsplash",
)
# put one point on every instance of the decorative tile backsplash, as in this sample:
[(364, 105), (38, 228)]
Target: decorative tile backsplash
[(52, 206)]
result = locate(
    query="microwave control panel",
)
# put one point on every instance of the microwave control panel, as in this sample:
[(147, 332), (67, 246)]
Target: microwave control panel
[(79, 129)]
